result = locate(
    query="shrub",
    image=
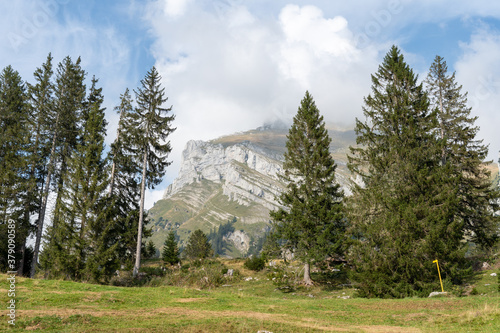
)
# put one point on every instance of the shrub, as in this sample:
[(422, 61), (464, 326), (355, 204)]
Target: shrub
[(283, 278), (200, 274), (255, 263)]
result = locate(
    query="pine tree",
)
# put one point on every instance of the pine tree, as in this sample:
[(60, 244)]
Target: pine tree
[(152, 126), (399, 217), (170, 251), (14, 164), (464, 156), (311, 225), (198, 246)]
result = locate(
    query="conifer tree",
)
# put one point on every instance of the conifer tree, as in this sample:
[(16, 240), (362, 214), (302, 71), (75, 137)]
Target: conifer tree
[(170, 251), (311, 223), (463, 155), (14, 164), (151, 127), (42, 104), (124, 190), (70, 91), (69, 94), (198, 246), (76, 239), (400, 216)]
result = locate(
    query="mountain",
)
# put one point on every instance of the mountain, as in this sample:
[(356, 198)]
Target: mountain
[(233, 178)]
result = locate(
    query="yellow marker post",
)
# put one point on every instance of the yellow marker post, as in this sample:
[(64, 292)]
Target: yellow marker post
[(436, 261)]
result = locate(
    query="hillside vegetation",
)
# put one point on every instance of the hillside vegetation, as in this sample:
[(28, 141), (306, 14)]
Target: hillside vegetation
[(247, 303)]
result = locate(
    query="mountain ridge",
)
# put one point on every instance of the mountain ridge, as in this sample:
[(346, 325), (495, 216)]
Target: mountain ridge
[(233, 176)]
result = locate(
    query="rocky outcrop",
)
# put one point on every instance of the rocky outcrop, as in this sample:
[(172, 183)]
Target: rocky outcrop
[(239, 239), (247, 174), (232, 177)]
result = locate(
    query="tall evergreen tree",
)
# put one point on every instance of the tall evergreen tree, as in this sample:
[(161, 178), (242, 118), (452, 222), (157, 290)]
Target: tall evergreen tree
[(152, 126), (311, 224), (42, 104), (76, 238), (70, 92), (124, 186), (400, 216), (463, 155), (14, 163), (69, 95)]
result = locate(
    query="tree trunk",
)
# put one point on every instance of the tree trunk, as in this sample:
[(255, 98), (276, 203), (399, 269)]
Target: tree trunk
[(307, 275), (112, 185), (20, 271), (141, 216)]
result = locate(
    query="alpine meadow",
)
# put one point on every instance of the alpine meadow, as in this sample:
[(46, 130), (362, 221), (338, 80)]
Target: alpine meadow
[(328, 182)]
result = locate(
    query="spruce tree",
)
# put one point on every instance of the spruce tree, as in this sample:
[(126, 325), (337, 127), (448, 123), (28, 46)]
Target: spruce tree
[(198, 246), (464, 157), (76, 239), (311, 223), (69, 95), (151, 126), (42, 103), (70, 92), (399, 214), (170, 253), (124, 189), (14, 164)]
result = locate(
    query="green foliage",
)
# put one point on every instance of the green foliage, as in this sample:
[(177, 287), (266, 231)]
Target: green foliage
[(411, 207), (124, 191), (15, 181), (284, 277), (396, 217), (255, 263), (311, 224), (463, 155), (42, 146), (150, 126), (170, 252), (150, 250), (198, 246)]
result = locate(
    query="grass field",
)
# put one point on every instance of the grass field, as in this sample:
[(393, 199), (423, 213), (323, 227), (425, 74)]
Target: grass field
[(242, 306)]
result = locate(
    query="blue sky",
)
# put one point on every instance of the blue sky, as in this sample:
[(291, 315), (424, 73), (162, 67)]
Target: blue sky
[(232, 65)]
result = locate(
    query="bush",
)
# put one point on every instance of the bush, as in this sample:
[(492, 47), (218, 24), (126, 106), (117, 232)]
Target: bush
[(283, 277), (152, 271), (255, 263), (200, 274)]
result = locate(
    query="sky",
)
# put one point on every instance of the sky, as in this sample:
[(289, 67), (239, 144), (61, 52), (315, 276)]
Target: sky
[(233, 65)]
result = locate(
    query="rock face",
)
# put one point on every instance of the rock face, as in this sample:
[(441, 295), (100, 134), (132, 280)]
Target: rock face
[(247, 176), (233, 176)]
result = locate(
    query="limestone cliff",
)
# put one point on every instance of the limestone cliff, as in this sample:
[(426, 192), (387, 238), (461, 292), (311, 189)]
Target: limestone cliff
[(233, 176)]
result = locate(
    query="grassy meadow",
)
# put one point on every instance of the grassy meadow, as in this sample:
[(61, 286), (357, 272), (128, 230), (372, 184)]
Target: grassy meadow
[(242, 305)]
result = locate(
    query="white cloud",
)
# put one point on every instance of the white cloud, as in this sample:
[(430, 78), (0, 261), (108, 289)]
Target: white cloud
[(152, 196), (478, 71), (33, 29), (174, 8), (233, 70)]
